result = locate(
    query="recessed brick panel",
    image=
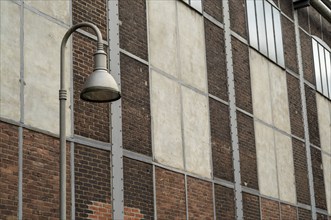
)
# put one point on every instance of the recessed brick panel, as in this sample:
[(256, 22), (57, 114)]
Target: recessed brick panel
[(170, 194), (133, 27), (91, 119), (92, 179), (216, 66), (224, 202), (200, 199), (319, 187), (41, 175), (326, 31), (242, 76), (221, 140), (238, 17), (312, 116), (321, 216), (287, 7), (251, 207), (315, 22), (307, 57), (136, 106), (304, 214), (301, 171), (303, 18), (289, 45), (9, 170), (138, 186), (294, 99), (288, 212), (270, 209), (214, 8), (247, 151)]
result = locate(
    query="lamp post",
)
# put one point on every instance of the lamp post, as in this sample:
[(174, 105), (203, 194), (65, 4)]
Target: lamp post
[(99, 87)]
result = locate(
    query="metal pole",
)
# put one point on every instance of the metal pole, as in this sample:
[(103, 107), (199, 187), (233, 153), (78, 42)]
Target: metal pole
[(63, 98)]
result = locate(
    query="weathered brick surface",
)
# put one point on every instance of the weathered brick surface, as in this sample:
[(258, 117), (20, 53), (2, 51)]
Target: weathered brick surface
[(92, 179), (133, 27), (214, 8), (224, 202), (170, 195), (303, 17), (307, 57), (270, 209), (136, 106), (133, 214), (301, 171), (138, 186), (251, 207), (326, 31), (238, 17), (289, 46), (8, 170), (304, 214), (200, 199), (321, 216), (247, 151), (91, 119), (312, 116), (242, 76), (221, 140), (318, 176), (288, 212), (41, 155), (287, 7), (94, 11), (294, 99), (215, 55), (100, 210), (315, 22)]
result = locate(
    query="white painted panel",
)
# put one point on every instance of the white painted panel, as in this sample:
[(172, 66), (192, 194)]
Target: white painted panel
[(324, 122), (162, 35), (260, 86), (192, 47), (280, 108), (42, 73), (56, 9), (9, 60), (196, 132), (166, 119), (266, 160), (327, 179), (285, 168)]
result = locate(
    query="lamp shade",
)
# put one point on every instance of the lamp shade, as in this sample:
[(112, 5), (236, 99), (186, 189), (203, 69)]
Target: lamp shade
[(100, 86)]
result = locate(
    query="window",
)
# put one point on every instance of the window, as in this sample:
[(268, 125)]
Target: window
[(196, 4), (322, 64), (265, 33)]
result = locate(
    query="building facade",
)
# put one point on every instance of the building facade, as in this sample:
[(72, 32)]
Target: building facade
[(225, 110)]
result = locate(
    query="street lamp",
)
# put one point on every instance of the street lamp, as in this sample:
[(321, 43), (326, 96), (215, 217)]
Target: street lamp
[(99, 87)]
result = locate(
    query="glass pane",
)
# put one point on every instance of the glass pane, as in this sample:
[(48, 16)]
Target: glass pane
[(278, 37), (261, 27), (323, 70), (252, 24), (270, 31), (328, 70), (196, 4), (317, 67)]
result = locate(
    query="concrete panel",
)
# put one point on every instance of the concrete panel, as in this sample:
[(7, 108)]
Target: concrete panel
[(285, 168), (260, 87), (280, 109), (163, 35), (324, 122), (9, 60), (196, 132), (166, 121), (42, 73), (56, 9), (327, 179), (266, 160), (192, 47)]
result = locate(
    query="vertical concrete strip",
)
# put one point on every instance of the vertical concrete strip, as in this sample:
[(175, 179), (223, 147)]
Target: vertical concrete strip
[(116, 110), (233, 114), (305, 117), (72, 180)]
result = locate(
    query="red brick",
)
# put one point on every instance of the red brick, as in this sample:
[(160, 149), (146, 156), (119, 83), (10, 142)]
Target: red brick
[(224, 202), (214, 8), (251, 207)]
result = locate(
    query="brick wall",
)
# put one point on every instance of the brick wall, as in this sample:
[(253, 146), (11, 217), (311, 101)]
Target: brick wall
[(133, 28), (214, 8), (304, 214), (269, 209), (221, 140), (288, 212), (224, 202), (138, 187), (92, 179), (303, 18), (312, 116), (307, 57), (215, 56), (238, 17), (315, 22), (289, 45), (287, 7), (9, 170), (319, 187), (251, 207), (326, 31)]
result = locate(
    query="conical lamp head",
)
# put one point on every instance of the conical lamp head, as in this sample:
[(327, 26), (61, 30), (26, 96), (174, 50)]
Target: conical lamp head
[(100, 86)]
